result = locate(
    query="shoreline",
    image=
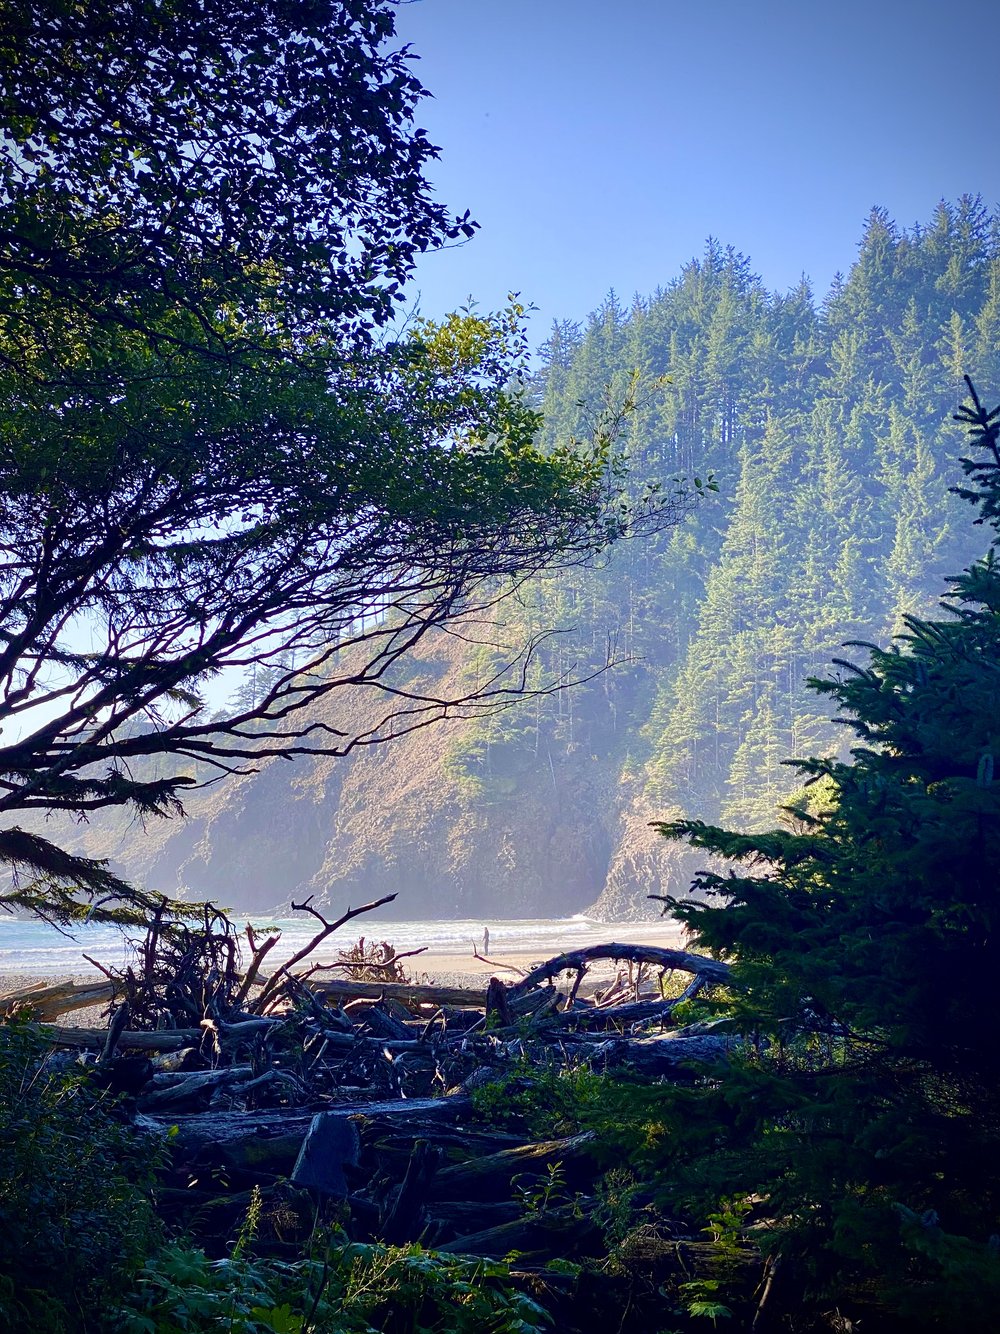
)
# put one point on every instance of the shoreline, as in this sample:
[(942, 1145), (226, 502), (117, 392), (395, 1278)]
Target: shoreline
[(456, 967), (453, 956)]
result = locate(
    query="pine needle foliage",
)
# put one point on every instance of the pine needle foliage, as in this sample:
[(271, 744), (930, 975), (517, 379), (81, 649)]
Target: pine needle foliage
[(864, 1119)]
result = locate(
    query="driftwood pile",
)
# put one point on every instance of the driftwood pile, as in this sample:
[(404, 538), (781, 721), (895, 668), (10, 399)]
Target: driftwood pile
[(350, 1094)]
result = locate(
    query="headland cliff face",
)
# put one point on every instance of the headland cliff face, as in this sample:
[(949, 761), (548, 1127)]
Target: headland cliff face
[(572, 836)]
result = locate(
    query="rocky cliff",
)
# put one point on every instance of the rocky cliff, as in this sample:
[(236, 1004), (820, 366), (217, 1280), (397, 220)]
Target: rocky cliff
[(395, 818)]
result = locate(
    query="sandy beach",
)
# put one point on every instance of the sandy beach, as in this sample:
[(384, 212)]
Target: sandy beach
[(447, 967), (453, 968)]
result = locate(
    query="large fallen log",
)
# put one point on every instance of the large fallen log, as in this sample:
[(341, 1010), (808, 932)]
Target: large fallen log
[(464, 1216), (51, 999), (166, 1039), (660, 1055), (563, 1229), (659, 957), (410, 994), (224, 1127), (592, 1018), (393, 1145), (173, 1090), (480, 1176)]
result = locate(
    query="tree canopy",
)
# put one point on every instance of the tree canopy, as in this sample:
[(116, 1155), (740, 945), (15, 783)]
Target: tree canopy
[(212, 453), (208, 172), (827, 425), (862, 1126)]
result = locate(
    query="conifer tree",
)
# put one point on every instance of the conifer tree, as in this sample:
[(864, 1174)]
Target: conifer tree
[(833, 518), (865, 938)]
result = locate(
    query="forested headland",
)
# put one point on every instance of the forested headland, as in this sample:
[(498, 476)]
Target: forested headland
[(826, 425), (222, 459)]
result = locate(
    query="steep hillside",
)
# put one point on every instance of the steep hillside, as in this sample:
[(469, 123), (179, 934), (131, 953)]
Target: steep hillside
[(394, 818), (829, 431)]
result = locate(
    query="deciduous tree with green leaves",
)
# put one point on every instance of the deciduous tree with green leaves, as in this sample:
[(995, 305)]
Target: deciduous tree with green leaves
[(214, 452)]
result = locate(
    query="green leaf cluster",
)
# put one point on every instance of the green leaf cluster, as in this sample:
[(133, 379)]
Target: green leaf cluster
[(212, 456), (541, 1101)]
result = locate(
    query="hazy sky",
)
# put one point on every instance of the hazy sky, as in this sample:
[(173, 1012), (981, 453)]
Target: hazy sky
[(598, 144)]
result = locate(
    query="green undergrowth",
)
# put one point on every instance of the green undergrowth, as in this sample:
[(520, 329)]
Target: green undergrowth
[(84, 1253), (543, 1102), (340, 1288), (76, 1212)]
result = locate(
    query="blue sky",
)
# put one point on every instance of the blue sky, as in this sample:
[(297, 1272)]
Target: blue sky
[(599, 144)]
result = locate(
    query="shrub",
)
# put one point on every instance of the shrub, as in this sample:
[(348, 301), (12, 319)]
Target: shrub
[(349, 1289), (75, 1194)]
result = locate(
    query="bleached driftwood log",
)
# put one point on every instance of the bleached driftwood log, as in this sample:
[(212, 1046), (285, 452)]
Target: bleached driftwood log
[(51, 999), (166, 1039), (658, 957), (410, 994)]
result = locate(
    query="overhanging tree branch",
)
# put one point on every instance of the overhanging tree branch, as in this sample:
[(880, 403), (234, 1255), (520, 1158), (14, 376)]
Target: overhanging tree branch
[(209, 464)]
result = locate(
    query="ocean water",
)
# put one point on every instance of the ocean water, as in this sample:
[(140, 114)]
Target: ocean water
[(34, 948)]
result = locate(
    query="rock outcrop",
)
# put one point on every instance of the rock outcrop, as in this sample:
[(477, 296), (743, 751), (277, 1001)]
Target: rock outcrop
[(569, 837)]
